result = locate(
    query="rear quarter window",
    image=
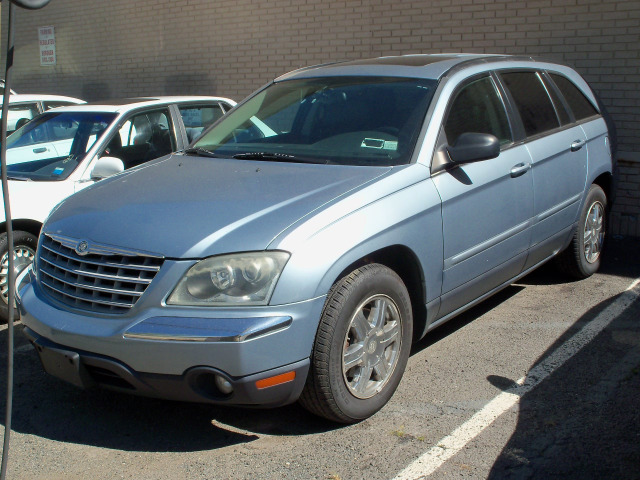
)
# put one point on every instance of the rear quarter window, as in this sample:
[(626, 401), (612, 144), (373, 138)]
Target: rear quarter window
[(532, 102), (579, 104)]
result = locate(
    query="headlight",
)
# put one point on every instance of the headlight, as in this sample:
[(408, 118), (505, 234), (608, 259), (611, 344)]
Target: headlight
[(243, 278)]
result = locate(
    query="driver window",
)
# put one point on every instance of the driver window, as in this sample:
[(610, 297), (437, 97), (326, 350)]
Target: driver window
[(141, 138), (477, 108)]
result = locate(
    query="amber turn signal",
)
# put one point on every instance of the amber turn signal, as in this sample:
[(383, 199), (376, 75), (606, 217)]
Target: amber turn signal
[(277, 380)]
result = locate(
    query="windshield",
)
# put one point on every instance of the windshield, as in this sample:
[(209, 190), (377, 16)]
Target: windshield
[(338, 120), (52, 145)]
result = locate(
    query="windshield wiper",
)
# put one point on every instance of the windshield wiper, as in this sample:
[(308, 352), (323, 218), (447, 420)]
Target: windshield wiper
[(276, 157), (19, 179), (203, 152)]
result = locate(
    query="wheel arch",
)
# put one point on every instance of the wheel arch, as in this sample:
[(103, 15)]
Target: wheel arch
[(606, 182), (405, 263), (24, 224)]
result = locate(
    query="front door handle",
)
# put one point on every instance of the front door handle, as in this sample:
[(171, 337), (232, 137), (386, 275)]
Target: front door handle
[(577, 145), (40, 150), (520, 169)]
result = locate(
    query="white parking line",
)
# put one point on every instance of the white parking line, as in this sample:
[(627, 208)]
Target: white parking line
[(450, 445)]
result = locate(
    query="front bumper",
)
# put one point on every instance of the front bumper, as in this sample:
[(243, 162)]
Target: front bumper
[(198, 384), (176, 353)]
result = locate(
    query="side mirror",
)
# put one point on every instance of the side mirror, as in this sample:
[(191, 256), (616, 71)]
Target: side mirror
[(31, 4), (474, 147), (106, 167)]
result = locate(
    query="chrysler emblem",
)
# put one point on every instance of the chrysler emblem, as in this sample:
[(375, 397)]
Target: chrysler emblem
[(82, 248)]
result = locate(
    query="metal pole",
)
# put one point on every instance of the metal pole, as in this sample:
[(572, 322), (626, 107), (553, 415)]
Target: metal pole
[(12, 273)]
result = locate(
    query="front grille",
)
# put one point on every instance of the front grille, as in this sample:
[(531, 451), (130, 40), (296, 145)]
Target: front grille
[(103, 279)]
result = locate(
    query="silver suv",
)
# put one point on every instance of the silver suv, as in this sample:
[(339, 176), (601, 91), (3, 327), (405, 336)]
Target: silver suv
[(300, 245)]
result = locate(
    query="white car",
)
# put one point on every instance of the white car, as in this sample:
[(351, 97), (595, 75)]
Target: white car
[(23, 108), (67, 149), (2, 85)]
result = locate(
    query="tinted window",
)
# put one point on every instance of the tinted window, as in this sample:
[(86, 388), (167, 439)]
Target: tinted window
[(533, 103), (560, 104), (477, 108), (581, 106)]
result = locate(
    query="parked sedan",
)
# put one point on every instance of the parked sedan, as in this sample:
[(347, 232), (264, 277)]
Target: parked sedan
[(23, 108), (298, 248), (65, 150)]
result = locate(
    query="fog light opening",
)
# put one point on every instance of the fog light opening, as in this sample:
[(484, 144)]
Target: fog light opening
[(209, 384), (223, 385)]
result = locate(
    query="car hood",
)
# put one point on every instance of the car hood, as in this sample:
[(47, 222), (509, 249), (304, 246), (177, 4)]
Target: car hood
[(193, 207)]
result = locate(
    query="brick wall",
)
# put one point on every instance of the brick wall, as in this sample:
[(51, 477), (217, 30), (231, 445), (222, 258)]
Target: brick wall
[(625, 215), (121, 48)]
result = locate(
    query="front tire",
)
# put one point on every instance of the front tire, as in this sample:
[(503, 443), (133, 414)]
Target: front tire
[(361, 347), (24, 248), (582, 258)]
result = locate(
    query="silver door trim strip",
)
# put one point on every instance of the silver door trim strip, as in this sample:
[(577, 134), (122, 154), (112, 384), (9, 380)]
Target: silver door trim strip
[(462, 256), (558, 207)]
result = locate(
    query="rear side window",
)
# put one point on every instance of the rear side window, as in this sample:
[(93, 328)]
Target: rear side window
[(533, 103), (477, 108), (579, 104), (20, 114), (197, 118)]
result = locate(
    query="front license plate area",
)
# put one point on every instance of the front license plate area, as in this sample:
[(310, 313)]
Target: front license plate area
[(64, 364)]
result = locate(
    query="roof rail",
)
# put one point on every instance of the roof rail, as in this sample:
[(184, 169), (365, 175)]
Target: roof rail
[(485, 60)]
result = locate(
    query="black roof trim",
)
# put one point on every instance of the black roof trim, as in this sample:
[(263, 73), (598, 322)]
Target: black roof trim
[(403, 60)]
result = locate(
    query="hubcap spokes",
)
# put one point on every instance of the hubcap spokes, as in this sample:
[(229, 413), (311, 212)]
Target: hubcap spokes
[(371, 346), (22, 257), (594, 232)]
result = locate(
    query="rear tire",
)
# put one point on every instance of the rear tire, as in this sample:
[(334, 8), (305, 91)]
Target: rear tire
[(362, 346), (24, 247), (582, 258)]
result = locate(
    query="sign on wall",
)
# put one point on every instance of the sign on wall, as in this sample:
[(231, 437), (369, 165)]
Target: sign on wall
[(47, 41)]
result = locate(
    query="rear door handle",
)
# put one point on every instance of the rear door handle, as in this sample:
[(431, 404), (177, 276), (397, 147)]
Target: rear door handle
[(40, 150), (520, 169), (577, 145)]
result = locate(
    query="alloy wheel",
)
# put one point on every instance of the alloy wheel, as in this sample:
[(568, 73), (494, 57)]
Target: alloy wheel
[(23, 256), (371, 346)]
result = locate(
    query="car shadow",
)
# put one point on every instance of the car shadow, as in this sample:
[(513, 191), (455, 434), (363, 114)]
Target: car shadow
[(47, 407), (617, 259), (582, 421), (458, 322)]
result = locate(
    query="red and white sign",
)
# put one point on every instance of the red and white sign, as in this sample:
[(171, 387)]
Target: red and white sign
[(47, 41)]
